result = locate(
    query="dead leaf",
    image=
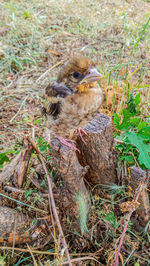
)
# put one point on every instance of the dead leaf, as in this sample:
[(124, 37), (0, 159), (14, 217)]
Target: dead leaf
[(54, 52), (129, 206), (110, 97)]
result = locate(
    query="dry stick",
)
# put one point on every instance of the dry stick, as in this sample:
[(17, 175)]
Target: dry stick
[(9, 169), (125, 227), (45, 73), (52, 201), (35, 251), (13, 189), (19, 109), (34, 261), (81, 259), (22, 203), (14, 235)]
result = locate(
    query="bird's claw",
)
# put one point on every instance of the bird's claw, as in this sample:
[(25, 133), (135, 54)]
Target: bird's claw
[(68, 143), (80, 132)]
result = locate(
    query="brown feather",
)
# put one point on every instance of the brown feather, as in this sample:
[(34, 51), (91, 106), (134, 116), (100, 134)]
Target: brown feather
[(78, 103)]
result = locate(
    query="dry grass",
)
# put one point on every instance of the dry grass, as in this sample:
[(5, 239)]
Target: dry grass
[(37, 35)]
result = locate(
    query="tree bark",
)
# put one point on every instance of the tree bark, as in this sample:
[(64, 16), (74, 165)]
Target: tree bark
[(21, 170), (98, 152), (18, 166), (96, 160), (68, 169), (138, 177), (14, 227)]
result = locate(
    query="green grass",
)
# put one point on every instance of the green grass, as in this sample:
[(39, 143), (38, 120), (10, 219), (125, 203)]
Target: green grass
[(116, 34)]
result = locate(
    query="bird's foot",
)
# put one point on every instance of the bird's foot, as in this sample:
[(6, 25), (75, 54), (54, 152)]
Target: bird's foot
[(69, 143), (80, 132)]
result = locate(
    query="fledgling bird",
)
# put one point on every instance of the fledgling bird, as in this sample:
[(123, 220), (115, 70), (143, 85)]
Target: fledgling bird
[(73, 100)]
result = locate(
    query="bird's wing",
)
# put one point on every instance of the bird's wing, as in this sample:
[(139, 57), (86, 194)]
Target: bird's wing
[(54, 94)]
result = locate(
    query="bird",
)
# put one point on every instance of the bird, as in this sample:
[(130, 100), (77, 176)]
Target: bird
[(73, 99)]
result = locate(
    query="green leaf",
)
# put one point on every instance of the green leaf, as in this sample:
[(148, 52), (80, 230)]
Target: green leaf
[(145, 26), (145, 132), (137, 264), (38, 121), (110, 217), (131, 106), (127, 158), (3, 158), (39, 140), (137, 99), (144, 149), (43, 145), (34, 221), (141, 125), (2, 261), (26, 14), (126, 121), (134, 121), (28, 193), (116, 120)]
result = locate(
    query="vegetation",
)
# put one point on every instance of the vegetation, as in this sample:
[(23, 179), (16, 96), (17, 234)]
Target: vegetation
[(36, 38), (136, 135)]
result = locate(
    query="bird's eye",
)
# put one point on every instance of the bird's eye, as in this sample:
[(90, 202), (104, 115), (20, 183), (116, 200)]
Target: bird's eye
[(76, 75)]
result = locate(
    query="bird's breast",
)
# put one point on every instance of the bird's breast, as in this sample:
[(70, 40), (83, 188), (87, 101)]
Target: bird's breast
[(76, 111), (79, 109)]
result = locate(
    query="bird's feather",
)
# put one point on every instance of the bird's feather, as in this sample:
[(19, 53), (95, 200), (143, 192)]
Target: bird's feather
[(55, 93), (70, 102)]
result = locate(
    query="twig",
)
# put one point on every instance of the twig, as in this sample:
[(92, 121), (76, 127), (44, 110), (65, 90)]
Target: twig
[(14, 235), (52, 201), (22, 203), (80, 259), (27, 251), (45, 73), (125, 227), (14, 189), (37, 185), (35, 251), (119, 141), (30, 250), (9, 169), (19, 109), (134, 159)]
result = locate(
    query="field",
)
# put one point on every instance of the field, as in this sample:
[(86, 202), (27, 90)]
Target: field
[(37, 37)]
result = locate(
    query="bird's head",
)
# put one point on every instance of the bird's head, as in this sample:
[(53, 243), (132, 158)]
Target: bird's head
[(79, 74)]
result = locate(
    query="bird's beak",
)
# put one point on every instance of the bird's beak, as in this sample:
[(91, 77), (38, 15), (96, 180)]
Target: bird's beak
[(92, 76)]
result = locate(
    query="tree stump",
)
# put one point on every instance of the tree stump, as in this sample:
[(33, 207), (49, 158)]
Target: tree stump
[(138, 177), (13, 225), (98, 152), (96, 160), (68, 169), (17, 228)]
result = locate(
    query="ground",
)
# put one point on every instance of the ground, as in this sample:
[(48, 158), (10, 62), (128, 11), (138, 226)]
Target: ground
[(37, 37)]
